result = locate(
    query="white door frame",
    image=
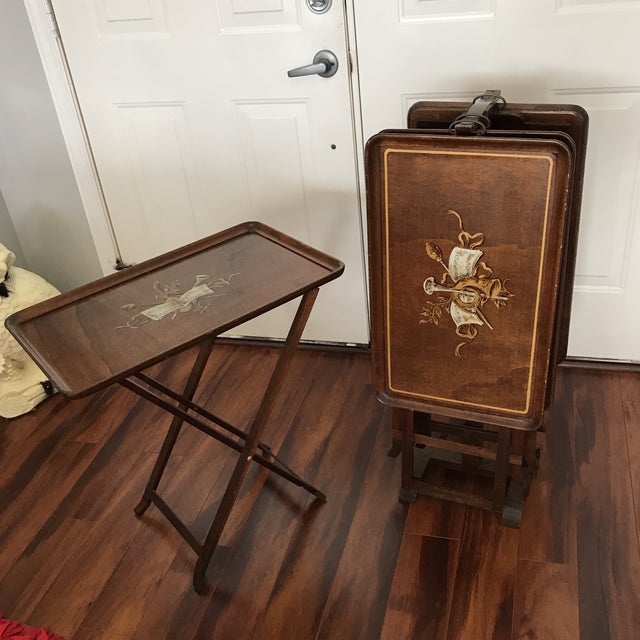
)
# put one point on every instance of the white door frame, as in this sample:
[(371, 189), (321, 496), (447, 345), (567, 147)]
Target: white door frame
[(48, 43), (49, 46)]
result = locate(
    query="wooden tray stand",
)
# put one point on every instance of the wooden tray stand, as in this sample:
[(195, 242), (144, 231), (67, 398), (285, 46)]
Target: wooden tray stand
[(482, 452)]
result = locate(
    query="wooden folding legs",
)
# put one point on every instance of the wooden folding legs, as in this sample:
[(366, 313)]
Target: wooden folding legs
[(521, 478), (174, 430), (248, 444), (252, 439), (403, 422), (507, 456)]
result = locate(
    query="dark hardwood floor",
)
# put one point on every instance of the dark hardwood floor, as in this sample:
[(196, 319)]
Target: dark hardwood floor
[(74, 558)]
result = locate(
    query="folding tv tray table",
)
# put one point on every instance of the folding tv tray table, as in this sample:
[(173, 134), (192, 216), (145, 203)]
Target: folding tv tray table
[(111, 330)]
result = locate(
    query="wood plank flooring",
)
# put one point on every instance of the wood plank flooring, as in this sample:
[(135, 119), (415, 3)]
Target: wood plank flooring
[(74, 557)]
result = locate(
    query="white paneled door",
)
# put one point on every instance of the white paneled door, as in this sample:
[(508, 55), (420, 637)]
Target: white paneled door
[(556, 51), (195, 126)]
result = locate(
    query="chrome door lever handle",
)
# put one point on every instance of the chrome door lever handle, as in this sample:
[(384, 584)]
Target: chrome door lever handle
[(309, 70), (325, 64)]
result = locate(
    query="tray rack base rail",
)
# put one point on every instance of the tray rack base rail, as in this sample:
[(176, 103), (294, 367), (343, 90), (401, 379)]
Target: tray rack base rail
[(432, 446)]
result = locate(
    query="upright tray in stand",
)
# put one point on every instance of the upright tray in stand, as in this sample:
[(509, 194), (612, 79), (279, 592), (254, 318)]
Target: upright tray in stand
[(472, 237)]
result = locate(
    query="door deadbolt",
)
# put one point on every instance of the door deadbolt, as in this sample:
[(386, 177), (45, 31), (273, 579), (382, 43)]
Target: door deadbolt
[(319, 6)]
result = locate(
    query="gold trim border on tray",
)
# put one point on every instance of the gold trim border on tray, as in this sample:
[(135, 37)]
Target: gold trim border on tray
[(536, 156)]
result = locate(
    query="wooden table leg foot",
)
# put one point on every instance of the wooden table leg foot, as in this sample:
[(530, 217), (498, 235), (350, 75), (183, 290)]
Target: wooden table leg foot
[(199, 577), (142, 506), (408, 495), (319, 495), (515, 499), (396, 448), (512, 514)]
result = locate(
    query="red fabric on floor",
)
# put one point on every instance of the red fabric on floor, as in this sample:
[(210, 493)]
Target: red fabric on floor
[(12, 630)]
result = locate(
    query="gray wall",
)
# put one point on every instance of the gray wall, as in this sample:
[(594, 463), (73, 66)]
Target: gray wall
[(36, 178), (8, 235)]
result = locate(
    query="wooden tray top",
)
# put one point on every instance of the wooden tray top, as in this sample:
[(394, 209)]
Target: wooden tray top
[(95, 335), (465, 247)]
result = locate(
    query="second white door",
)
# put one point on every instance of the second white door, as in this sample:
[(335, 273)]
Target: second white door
[(553, 51)]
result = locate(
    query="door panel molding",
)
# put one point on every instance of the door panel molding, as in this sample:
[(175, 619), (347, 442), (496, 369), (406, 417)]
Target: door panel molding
[(613, 112), (446, 10), (258, 16), (130, 17), (595, 6), (157, 139), (262, 126)]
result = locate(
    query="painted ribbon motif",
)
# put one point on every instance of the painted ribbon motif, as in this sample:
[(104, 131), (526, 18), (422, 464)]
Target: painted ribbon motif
[(173, 301)]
